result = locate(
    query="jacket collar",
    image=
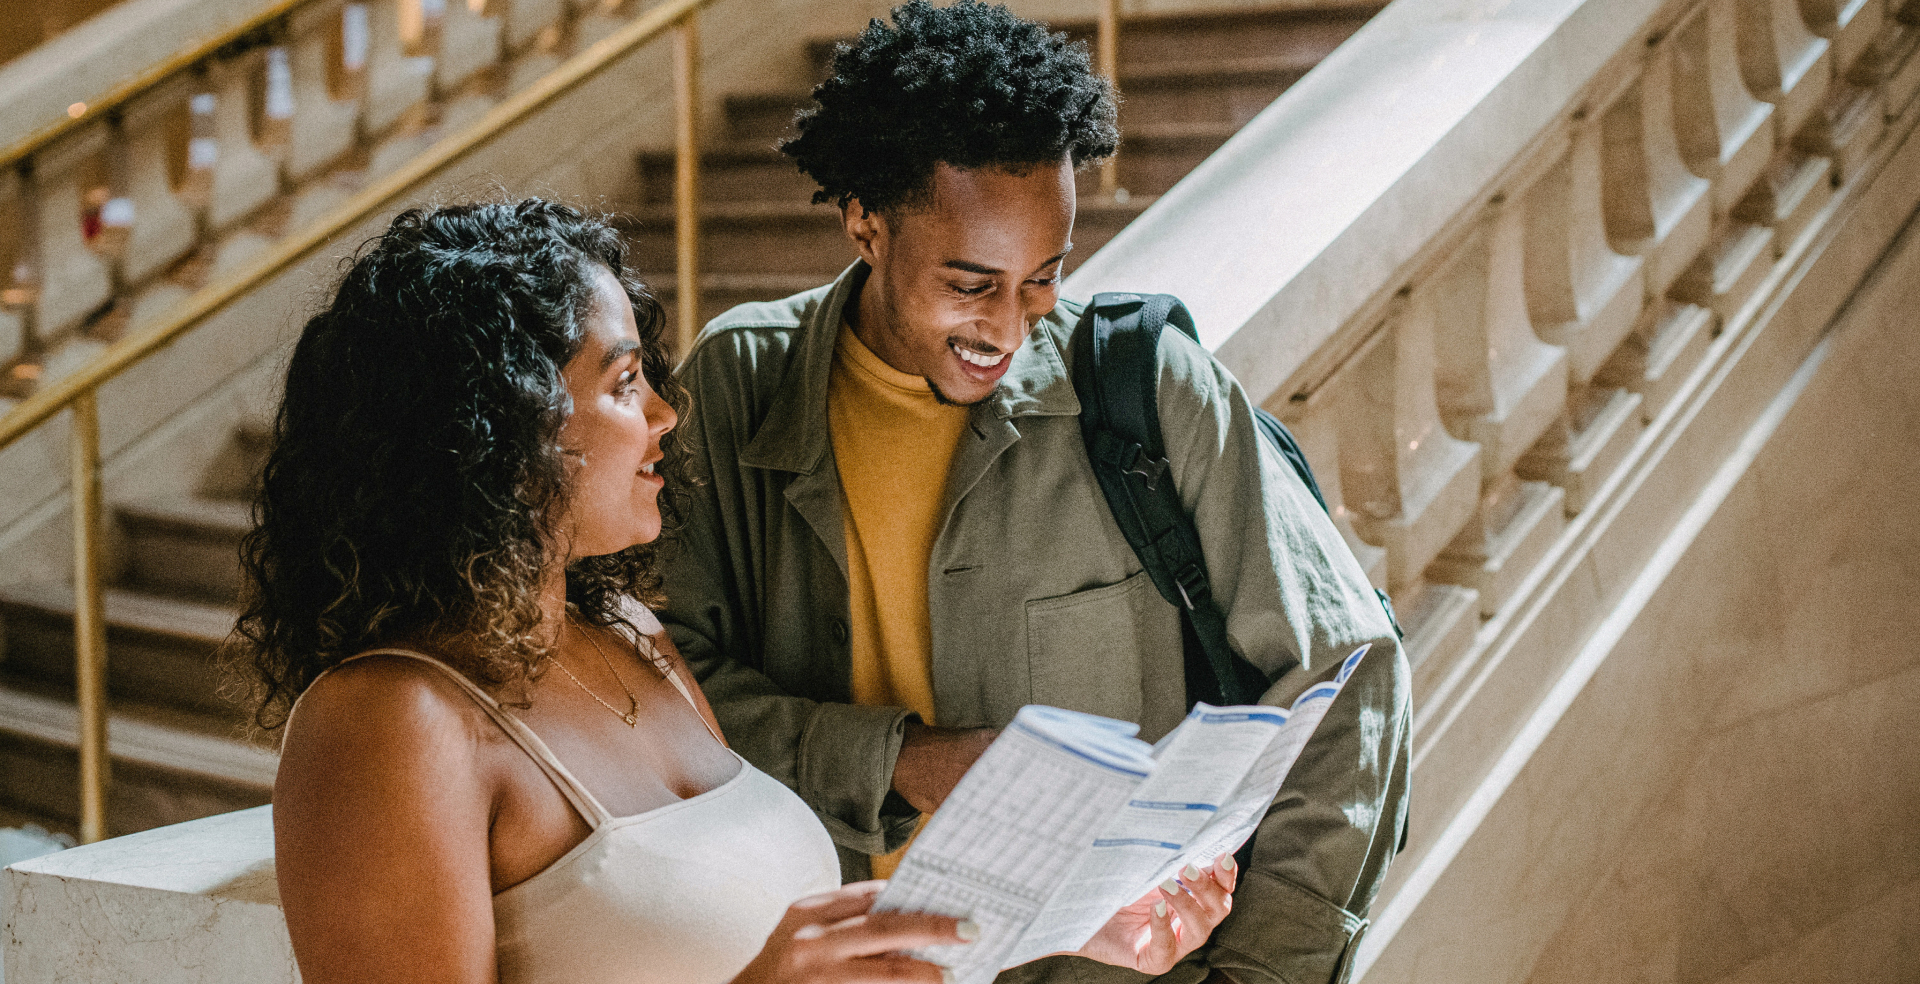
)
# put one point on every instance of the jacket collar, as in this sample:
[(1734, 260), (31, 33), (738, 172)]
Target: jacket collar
[(794, 436)]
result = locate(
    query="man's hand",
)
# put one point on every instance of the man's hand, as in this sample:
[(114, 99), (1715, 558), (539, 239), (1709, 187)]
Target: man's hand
[(932, 760)]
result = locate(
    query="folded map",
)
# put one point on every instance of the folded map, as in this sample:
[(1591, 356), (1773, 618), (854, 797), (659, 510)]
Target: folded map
[(1068, 817)]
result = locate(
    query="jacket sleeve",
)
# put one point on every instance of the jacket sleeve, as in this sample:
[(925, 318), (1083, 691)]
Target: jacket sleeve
[(838, 757), (1297, 603)]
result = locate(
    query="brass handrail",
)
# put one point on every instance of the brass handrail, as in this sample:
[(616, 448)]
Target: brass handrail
[(1106, 54), (118, 96), (80, 390)]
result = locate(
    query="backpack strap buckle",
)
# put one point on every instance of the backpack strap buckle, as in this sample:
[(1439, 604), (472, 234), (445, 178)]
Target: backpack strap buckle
[(1149, 469), (1191, 581)]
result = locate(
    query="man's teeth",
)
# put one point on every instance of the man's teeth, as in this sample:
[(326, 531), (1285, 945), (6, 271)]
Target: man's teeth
[(983, 361), (646, 469)]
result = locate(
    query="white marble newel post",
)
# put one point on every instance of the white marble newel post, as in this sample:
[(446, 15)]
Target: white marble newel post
[(194, 903)]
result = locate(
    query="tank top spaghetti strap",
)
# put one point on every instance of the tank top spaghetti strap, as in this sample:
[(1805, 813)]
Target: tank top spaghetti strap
[(643, 899)]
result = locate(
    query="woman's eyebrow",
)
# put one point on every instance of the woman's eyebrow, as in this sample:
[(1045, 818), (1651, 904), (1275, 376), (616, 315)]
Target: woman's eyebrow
[(616, 353)]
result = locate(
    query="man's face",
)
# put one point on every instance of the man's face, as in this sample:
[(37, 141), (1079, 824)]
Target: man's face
[(959, 279)]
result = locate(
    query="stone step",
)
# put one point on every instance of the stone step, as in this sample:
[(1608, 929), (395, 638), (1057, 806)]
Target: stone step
[(1152, 159), (1306, 31), (1215, 89), (166, 767), (187, 547), (794, 238), (721, 291), (162, 651)]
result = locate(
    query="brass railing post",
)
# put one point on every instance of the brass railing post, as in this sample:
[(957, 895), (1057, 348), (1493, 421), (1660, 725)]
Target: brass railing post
[(89, 618), (1107, 57), (686, 173)]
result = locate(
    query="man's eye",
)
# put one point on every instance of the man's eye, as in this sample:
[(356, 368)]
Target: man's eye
[(624, 385), (973, 291)]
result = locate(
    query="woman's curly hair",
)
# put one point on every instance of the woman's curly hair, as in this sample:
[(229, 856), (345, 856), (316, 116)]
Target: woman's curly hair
[(970, 85), (415, 467)]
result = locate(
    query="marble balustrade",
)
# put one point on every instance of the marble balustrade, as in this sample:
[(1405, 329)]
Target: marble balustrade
[(1486, 390), (108, 227)]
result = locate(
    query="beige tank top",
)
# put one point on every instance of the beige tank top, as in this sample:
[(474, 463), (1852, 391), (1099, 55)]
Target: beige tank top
[(684, 894)]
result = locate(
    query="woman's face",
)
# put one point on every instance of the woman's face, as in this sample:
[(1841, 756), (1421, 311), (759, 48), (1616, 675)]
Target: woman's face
[(612, 438)]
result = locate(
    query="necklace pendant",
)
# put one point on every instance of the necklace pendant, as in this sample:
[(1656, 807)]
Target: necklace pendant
[(632, 718)]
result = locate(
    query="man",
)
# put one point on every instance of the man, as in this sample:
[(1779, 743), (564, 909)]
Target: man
[(896, 539)]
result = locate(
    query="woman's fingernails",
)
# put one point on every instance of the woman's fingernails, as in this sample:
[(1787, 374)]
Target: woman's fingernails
[(1189, 872), (1226, 862), (967, 930), (1170, 886), (946, 975), (1159, 910)]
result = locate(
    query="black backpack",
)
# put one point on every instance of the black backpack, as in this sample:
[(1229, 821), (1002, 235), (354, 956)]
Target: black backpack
[(1116, 374)]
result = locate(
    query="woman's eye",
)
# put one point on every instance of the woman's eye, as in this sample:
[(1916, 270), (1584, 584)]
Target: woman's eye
[(973, 291)]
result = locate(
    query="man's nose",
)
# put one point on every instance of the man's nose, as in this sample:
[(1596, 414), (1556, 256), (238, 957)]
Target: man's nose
[(1010, 321)]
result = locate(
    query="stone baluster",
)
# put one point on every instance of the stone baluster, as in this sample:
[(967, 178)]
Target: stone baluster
[(1587, 297), (1792, 68), (1854, 115), (1660, 210), (245, 176), (396, 79), (1852, 25), (469, 41), (1892, 64), (1783, 61), (1726, 134), (325, 76), (1410, 484), (1654, 206), (68, 279), (163, 227), (527, 18), (1500, 387), (1316, 426)]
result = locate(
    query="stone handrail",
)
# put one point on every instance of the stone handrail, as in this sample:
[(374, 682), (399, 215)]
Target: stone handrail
[(110, 220), (1490, 260)]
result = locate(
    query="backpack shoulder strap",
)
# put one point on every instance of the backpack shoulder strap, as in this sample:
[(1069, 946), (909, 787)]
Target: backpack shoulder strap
[(1116, 373)]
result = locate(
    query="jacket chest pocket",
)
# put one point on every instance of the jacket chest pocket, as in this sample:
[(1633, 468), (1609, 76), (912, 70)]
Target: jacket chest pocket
[(1087, 651)]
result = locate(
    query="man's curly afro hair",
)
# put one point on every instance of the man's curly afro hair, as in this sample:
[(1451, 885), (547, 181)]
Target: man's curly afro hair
[(969, 84)]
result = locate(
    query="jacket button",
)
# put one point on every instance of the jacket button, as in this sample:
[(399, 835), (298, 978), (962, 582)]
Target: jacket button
[(840, 633)]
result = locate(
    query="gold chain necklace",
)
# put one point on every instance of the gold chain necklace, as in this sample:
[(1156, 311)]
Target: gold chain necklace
[(632, 717)]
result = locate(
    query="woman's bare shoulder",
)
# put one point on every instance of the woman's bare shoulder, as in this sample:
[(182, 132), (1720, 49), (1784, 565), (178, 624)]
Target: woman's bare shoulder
[(388, 713)]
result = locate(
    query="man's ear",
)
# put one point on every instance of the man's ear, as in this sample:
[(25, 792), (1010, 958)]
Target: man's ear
[(866, 230)]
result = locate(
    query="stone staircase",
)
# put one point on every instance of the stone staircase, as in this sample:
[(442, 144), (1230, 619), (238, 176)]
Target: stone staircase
[(179, 737), (179, 734), (1188, 82)]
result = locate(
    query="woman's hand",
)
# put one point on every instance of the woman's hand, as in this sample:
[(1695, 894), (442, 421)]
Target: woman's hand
[(834, 939), (1169, 922)]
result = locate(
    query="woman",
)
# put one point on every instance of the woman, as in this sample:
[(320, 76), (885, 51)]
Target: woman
[(464, 495)]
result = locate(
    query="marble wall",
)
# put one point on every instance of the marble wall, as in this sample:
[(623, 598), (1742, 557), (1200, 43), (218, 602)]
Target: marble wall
[(1782, 839)]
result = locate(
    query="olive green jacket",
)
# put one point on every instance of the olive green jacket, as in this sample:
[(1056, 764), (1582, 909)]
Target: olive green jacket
[(1035, 598)]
